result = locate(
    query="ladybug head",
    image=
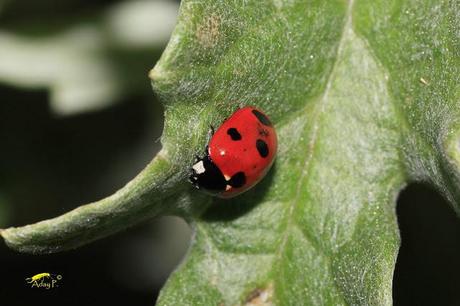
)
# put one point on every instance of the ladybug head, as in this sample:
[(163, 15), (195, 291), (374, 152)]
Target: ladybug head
[(207, 176)]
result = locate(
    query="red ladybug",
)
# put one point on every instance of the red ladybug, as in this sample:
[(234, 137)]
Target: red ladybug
[(238, 155)]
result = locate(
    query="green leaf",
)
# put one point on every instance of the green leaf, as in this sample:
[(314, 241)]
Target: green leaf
[(364, 96), (155, 190)]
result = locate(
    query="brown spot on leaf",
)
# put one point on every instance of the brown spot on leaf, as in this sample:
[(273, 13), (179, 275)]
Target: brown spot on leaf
[(208, 31), (260, 296)]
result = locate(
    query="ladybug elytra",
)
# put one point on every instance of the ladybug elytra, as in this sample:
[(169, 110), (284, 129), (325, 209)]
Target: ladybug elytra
[(239, 154)]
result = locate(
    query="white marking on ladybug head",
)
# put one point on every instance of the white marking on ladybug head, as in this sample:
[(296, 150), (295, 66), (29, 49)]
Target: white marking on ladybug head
[(199, 167), (227, 178), (228, 187)]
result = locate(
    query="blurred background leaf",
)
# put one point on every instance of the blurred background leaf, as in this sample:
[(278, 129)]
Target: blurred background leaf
[(85, 61)]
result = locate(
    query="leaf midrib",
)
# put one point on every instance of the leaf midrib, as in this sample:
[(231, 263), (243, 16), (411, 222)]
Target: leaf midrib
[(321, 104), (314, 136)]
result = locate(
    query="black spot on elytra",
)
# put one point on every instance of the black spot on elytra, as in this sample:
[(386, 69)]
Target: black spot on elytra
[(234, 134), (262, 118), (262, 148), (237, 180)]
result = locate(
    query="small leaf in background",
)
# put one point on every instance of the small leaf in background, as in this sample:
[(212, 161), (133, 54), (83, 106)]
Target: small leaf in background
[(79, 64), (79, 79), (142, 24)]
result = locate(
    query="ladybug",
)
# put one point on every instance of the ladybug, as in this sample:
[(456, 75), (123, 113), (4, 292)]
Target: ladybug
[(238, 155)]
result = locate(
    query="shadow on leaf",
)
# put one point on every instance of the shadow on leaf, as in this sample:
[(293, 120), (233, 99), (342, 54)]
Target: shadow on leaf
[(230, 209)]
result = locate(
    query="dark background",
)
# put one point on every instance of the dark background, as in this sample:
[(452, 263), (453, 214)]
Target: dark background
[(50, 164)]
